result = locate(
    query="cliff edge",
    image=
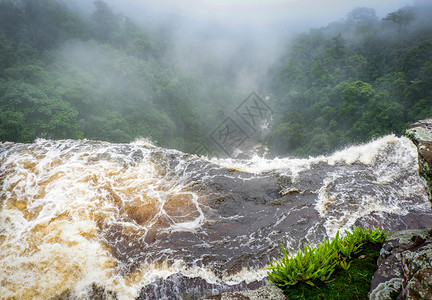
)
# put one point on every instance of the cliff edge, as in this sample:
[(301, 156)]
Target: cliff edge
[(405, 262), (421, 135)]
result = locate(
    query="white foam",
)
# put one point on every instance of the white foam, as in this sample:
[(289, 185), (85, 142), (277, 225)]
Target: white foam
[(58, 196), (54, 205)]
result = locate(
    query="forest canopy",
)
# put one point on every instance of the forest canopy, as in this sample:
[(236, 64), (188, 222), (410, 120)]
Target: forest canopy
[(353, 81), (64, 74)]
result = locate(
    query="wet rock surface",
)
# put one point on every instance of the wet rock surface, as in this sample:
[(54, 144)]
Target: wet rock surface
[(404, 267), (155, 223), (198, 288), (421, 134), (266, 292), (405, 263)]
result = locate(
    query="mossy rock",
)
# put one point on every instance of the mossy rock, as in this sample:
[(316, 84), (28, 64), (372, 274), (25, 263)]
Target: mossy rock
[(404, 266), (421, 135)]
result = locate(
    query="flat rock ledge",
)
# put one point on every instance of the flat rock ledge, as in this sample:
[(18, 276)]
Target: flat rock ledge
[(268, 292), (421, 135), (404, 266)]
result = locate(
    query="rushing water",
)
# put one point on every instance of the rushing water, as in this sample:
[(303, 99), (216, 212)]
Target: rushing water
[(85, 220)]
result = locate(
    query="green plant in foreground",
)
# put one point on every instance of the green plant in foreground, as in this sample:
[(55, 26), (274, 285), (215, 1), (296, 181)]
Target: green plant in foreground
[(344, 265), (319, 263)]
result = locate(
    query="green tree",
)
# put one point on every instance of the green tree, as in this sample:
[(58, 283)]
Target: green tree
[(354, 97), (30, 111), (402, 18), (49, 22), (362, 15), (289, 135), (11, 18), (106, 23), (7, 54)]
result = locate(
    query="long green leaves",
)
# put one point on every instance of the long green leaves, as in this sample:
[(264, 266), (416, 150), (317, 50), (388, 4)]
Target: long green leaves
[(319, 263)]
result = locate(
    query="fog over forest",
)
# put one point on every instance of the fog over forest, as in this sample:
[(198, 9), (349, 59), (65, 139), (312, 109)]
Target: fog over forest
[(173, 72), (252, 34)]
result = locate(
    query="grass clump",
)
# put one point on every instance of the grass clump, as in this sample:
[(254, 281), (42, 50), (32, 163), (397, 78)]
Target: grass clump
[(329, 267)]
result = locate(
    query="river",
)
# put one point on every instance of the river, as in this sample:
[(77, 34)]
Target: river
[(94, 220)]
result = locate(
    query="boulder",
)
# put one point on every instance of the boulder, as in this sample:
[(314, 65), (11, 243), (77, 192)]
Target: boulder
[(269, 292), (404, 267), (405, 262), (421, 134)]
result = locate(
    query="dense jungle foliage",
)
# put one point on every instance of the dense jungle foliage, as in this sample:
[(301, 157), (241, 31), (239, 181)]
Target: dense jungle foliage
[(65, 74), (353, 81)]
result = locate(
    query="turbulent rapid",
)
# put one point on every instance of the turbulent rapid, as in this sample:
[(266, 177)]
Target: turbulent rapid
[(85, 219)]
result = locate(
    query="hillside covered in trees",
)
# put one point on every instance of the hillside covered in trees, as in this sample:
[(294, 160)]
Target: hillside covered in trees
[(67, 74), (353, 81)]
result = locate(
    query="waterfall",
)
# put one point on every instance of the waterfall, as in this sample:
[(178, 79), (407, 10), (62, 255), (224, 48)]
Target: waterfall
[(128, 221)]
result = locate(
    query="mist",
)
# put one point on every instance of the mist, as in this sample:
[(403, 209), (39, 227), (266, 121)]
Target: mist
[(240, 39), (174, 72)]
